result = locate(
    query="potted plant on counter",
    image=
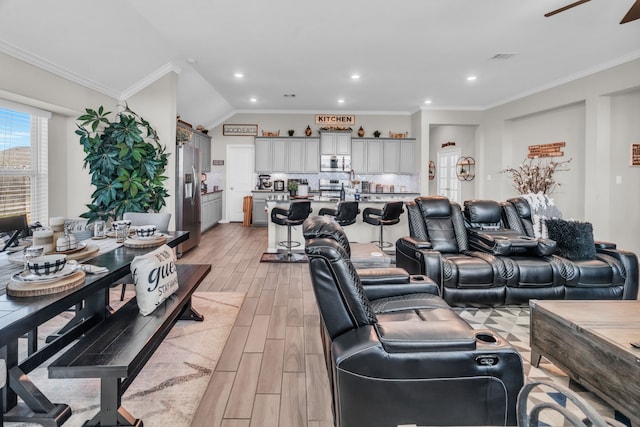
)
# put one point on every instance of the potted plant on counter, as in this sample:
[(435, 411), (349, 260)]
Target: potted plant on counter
[(126, 162), (292, 186)]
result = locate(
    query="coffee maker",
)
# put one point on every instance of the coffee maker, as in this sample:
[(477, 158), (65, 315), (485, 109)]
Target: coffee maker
[(264, 182)]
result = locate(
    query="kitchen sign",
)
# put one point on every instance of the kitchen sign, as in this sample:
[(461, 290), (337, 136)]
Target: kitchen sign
[(239, 130), (335, 119)]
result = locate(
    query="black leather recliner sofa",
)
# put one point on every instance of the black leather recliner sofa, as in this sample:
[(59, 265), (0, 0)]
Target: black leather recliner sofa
[(405, 358), (439, 248), (610, 273), (524, 267)]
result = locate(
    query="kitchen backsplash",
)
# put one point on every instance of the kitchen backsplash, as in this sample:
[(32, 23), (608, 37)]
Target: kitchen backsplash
[(215, 177), (410, 182)]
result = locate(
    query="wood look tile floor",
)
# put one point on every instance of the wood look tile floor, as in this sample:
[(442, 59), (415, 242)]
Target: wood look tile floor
[(271, 371)]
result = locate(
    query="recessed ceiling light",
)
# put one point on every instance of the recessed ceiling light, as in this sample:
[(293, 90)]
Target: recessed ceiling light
[(428, 101), (238, 75), (471, 78), (253, 99), (191, 60), (355, 76), (340, 101)]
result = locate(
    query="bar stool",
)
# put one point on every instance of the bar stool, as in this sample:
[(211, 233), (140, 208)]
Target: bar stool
[(344, 214), (388, 215), (296, 214)]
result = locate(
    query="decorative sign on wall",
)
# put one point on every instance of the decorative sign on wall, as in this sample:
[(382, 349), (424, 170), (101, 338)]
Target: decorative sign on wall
[(448, 144), (217, 162), (635, 154), (546, 150), (239, 130), (334, 119)]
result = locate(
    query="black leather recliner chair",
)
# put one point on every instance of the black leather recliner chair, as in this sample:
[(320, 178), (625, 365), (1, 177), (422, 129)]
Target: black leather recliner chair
[(539, 276), (612, 274), (405, 359), (438, 247), (379, 282)]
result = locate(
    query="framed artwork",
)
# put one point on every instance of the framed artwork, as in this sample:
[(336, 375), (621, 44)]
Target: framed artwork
[(239, 130), (635, 154)]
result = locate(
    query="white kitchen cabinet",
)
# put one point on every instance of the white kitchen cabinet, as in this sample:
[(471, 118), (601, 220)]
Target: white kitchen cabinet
[(367, 155), (407, 156), (279, 155), (399, 156), (335, 143), (263, 155), (287, 155), (203, 143), (312, 155), (211, 210)]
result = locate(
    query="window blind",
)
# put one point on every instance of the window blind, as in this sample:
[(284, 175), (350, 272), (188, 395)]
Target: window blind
[(23, 162)]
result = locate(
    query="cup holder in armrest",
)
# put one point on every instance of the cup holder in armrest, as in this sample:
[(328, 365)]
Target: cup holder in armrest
[(486, 337), (418, 278)]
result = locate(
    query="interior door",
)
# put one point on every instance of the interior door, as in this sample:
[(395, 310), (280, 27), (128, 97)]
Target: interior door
[(448, 183), (240, 179)]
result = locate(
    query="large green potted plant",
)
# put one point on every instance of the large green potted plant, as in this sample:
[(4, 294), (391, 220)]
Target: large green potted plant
[(126, 162)]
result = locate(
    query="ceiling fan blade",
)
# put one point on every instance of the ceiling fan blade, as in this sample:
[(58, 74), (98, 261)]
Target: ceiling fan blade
[(569, 6), (633, 14)]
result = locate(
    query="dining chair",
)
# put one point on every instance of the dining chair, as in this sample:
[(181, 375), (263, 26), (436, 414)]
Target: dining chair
[(159, 219), (13, 225)]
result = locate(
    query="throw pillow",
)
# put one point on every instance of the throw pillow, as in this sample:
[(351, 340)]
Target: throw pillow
[(155, 278), (574, 239)]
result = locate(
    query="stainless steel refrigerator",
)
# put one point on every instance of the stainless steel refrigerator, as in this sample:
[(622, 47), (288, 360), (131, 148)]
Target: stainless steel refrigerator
[(188, 196)]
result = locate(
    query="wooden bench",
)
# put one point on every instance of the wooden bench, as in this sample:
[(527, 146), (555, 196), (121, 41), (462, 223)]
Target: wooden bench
[(117, 349)]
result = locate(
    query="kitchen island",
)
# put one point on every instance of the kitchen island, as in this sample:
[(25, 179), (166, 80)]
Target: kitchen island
[(360, 232)]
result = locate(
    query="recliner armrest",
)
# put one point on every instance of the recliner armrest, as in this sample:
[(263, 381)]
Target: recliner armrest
[(415, 243), (605, 245), (375, 288), (435, 335)]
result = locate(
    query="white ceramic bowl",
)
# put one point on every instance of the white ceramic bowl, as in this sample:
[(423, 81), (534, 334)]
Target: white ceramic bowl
[(145, 230), (115, 224), (47, 264)]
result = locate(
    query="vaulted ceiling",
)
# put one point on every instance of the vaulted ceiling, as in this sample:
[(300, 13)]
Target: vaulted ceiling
[(405, 52)]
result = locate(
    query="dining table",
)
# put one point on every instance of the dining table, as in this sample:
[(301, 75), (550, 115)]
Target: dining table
[(21, 316)]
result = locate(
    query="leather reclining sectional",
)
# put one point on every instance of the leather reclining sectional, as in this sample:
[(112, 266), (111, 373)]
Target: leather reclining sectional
[(488, 256), (396, 353)]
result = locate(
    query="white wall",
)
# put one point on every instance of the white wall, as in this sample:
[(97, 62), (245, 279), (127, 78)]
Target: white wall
[(69, 184), (157, 104), (465, 137)]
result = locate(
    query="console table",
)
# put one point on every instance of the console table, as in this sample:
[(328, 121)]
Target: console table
[(590, 341)]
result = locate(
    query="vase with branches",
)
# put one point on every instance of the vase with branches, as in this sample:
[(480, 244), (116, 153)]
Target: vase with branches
[(536, 176)]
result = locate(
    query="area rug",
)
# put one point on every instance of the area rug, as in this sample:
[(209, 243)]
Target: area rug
[(512, 324), (169, 388), (273, 257)]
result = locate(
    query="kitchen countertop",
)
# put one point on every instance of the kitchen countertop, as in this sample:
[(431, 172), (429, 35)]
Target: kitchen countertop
[(211, 192)]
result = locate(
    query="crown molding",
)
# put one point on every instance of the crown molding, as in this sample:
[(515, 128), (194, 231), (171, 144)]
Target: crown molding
[(52, 68), (148, 80)]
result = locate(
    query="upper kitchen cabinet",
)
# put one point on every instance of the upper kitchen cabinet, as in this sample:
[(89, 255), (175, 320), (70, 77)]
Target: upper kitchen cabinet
[(367, 155), (399, 156), (287, 155), (201, 141), (263, 155), (335, 143), (304, 155), (279, 155)]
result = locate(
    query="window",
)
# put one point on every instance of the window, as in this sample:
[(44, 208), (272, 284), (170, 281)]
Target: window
[(23, 161), (448, 184)]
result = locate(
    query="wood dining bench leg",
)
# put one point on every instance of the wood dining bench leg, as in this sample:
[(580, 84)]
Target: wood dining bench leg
[(117, 349)]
